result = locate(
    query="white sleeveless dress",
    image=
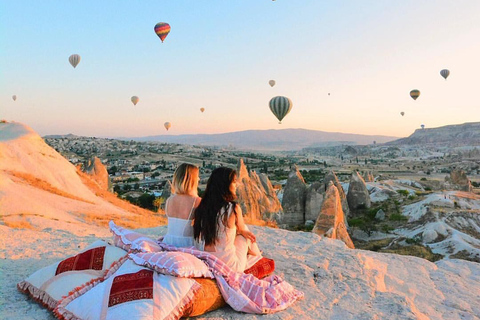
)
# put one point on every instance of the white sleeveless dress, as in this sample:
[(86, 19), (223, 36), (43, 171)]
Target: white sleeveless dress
[(232, 248), (180, 231)]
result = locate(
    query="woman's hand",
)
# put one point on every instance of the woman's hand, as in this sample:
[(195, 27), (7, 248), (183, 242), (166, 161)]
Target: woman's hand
[(248, 235)]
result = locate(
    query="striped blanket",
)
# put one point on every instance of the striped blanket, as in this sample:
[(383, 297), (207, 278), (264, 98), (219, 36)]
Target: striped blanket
[(243, 292)]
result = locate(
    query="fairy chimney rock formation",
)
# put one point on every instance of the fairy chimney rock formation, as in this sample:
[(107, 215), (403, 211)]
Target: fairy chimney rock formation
[(293, 201), (331, 221), (331, 176), (313, 200), (97, 171), (459, 181), (358, 196), (275, 208), (368, 176), (256, 202)]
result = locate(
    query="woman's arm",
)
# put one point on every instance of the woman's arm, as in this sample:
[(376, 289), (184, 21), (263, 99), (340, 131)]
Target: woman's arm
[(241, 227)]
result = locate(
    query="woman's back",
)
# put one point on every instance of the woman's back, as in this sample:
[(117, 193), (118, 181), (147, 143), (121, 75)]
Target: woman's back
[(179, 210)]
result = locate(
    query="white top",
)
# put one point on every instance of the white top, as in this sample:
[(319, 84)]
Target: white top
[(180, 231)]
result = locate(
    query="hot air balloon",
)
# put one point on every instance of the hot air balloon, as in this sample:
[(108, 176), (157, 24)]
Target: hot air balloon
[(402, 113), (135, 100), (162, 29), (74, 60), (167, 125), (14, 97), (423, 126), (414, 94), (445, 73), (271, 83), (280, 107), (202, 109)]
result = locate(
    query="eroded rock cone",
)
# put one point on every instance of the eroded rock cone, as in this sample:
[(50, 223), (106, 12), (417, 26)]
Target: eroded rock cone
[(293, 201), (358, 196), (97, 171), (313, 200), (331, 176), (459, 180), (331, 220)]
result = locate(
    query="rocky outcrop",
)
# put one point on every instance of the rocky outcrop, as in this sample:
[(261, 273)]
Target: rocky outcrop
[(331, 176), (293, 201), (458, 180), (368, 176), (97, 171), (275, 210), (331, 220), (314, 200), (358, 196), (256, 202)]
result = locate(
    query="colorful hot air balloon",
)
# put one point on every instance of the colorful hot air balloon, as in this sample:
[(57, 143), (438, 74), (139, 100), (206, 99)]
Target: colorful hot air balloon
[(14, 97), (202, 109), (162, 29), (74, 60), (423, 126), (445, 73), (135, 100), (402, 113), (167, 125), (414, 94), (280, 107), (271, 83)]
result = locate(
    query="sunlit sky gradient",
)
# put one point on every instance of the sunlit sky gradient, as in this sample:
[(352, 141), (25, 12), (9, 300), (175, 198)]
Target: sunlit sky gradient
[(221, 54)]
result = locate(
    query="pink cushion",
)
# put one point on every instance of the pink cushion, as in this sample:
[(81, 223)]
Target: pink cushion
[(173, 263)]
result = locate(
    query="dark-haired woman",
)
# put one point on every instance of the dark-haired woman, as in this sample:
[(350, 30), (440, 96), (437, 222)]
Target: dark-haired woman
[(219, 224)]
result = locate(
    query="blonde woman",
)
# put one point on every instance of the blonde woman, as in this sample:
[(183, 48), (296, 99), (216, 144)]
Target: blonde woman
[(180, 206)]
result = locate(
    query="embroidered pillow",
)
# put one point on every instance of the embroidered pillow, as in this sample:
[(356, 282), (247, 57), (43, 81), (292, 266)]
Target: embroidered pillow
[(264, 267), (48, 285), (173, 263), (131, 240), (132, 293)]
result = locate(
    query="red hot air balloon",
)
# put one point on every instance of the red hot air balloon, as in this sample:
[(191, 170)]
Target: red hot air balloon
[(162, 29)]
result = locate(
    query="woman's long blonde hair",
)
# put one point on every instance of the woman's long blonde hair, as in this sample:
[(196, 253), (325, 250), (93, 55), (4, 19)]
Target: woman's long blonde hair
[(185, 179)]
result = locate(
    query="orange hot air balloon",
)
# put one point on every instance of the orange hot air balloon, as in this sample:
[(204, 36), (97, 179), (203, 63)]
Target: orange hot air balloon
[(162, 29), (202, 109), (167, 125)]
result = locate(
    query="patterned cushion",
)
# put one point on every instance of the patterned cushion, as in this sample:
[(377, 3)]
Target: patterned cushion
[(173, 263), (264, 267), (131, 293), (131, 240), (48, 285)]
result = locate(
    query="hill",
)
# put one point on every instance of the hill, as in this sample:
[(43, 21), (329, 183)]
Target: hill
[(270, 140), (40, 189), (467, 134)]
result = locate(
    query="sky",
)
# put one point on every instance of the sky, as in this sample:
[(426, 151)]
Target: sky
[(221, 54)]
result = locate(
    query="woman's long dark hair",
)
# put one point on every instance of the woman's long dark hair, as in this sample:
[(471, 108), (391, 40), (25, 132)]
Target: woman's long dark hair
[(217, 196)]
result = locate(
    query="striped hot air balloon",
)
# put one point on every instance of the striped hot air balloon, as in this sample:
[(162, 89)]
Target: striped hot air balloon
[(162, 29), (414, 94), (167, 125), (135, 100), (445, 73), (74, 60), (280, 107)]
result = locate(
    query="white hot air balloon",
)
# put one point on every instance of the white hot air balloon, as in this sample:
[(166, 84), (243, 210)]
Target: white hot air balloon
[(74, 60), (271, 83), (135, 100), (167, 125), (14, 97)]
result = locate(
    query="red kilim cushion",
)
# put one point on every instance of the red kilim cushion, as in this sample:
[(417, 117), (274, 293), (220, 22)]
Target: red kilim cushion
[(131, 286), (91, 259), (264, 267)]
